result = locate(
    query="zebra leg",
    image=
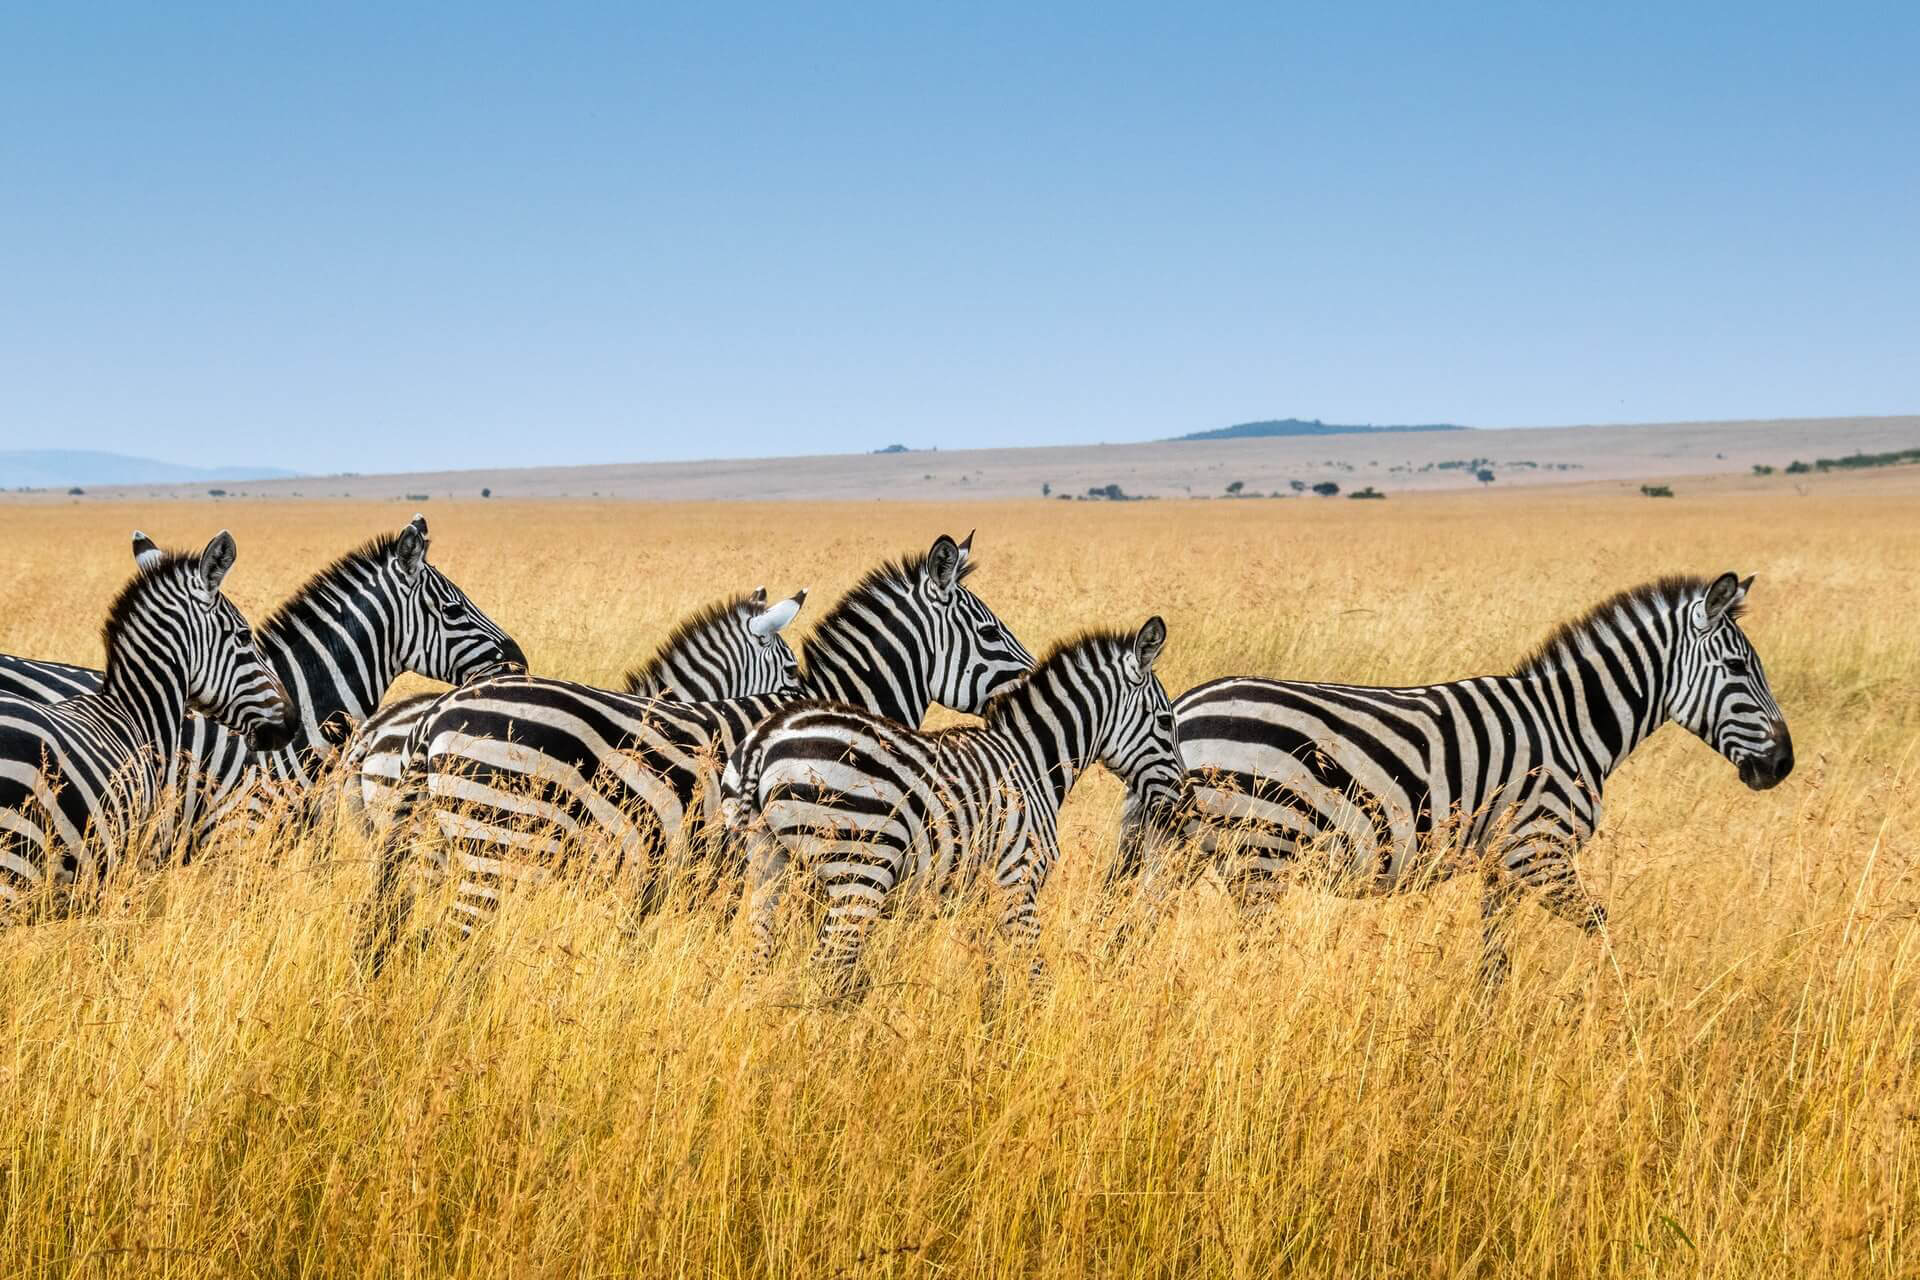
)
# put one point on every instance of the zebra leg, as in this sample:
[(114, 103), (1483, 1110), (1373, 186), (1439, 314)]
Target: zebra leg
[(1020, 924), (851, 908), (390, 903), (767, 862), (1498, 896)]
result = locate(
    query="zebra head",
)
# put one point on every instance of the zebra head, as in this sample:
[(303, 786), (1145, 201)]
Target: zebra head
[(733, 649), (442, 634), (1141, 745), (227, 676), (973, 653), (1718, 690)]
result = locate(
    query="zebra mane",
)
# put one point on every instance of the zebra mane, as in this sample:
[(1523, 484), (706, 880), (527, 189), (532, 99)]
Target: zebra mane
[(1066, 653), (1668, 592), (150, 568), (889, 575), (719, 611), (370, 554)]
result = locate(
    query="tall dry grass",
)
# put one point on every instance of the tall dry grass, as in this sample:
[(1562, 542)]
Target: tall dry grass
[(195, 1080)]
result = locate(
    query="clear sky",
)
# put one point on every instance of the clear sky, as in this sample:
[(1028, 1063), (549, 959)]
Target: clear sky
[(375, 238)]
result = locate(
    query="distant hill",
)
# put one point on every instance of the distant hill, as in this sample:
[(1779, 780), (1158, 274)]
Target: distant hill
[(64, 468), (1301, 427)]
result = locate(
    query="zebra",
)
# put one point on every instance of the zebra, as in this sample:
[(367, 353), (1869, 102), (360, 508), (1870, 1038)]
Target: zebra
[(516, 772), (337, 646), (731, 649), (80, 777), (1388, 790), (868, 805)]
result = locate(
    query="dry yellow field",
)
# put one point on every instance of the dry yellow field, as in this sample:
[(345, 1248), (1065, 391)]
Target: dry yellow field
[(195, 1080)]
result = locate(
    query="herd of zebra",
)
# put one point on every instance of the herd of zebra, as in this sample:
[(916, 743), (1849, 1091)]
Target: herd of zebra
[(727, 763)]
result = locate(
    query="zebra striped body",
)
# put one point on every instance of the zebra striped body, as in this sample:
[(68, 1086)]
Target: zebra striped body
[(518, 773), (80, 778), (866, 804), (36, 680), (729, 650), (1381, 791), (336, 647)]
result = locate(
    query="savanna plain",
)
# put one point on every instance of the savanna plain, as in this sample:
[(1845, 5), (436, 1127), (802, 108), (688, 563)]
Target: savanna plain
[(196, 1079)]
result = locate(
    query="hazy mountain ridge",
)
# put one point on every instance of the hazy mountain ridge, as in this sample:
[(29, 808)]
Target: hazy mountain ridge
[(1304, 427), (63, 468)]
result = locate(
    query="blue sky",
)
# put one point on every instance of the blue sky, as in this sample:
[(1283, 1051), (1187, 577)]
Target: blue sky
[(377, 238)]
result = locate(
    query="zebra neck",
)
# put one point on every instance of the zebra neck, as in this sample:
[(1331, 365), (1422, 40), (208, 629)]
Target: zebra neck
[(1606, 699), (145, 686), (331, 662), (873, 666), (1048, 732)]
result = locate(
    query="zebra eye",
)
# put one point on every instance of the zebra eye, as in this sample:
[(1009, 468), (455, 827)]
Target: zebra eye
[(241, 638), (454, 610), (1736, 666)]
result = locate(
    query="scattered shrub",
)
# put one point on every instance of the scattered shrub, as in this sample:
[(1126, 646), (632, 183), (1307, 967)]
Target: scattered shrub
[(1656, 490), (1326, 488), (1368, 492)]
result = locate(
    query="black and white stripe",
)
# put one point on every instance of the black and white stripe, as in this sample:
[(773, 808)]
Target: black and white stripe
[(520, 774), (1377, 791), (336, 646), (81, 777), (865, 804), (729, 650)]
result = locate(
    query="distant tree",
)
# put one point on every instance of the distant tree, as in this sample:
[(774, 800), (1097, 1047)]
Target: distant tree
[(1762, 469), (1046, 489), (1798, 468), (1236, 487), (1657, 490), (486, 493), (1368, 492), (1298, 486), (216, 493), (421, 497), (1484, 475), (76, 491), (1326, 488)]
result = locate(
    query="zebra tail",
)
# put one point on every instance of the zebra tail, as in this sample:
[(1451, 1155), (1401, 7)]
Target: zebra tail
[(740, 824), (388, 905)]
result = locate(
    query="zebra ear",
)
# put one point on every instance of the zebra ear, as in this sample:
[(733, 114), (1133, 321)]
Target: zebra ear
[(419, 522), (145, 554), (966, 545), (1148, 644), (1722, 597), (217, 560), (759, 596), (775, 620), (410, 550), (944, 559)]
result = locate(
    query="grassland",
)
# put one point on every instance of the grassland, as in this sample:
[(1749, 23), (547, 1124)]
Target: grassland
[(195, 1081)]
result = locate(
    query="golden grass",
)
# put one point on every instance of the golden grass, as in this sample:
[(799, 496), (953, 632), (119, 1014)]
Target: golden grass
[(194, 1081)]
